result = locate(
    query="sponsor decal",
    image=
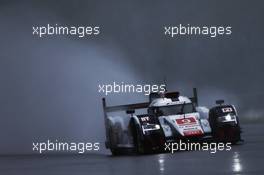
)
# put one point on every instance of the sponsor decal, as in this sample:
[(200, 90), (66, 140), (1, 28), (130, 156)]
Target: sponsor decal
[(186, 121), (144, 119), (227, 109), (193, 132)]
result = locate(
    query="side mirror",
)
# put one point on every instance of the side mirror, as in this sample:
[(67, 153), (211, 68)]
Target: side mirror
[(130, 111), (220, 102)]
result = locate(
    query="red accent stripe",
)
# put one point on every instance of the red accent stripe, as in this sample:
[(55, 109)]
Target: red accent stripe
[(191, 133)]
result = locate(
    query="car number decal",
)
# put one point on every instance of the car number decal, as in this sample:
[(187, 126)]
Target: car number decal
[(227, 109)]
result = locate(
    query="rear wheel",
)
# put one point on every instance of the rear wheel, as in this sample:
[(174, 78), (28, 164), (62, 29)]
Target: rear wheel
[(112, 139)]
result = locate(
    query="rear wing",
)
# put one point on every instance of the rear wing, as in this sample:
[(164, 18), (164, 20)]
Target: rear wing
[(143, 105), (123, 107)]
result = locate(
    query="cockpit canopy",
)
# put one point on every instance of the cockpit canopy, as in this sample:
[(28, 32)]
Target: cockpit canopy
[(176, 109)]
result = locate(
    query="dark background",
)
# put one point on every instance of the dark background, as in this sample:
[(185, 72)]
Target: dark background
[(49, 85)]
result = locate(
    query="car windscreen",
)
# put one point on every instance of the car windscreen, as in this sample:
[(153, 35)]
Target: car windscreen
[(175, 109)]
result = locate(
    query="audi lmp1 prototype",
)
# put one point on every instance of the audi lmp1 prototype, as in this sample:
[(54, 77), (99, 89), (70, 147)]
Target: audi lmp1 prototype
[(169, 117)]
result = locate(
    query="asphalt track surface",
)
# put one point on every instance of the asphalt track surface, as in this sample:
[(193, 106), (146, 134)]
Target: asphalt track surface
[(247, 158)]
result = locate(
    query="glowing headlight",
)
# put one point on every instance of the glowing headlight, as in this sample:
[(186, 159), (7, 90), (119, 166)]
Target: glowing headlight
[(227, 118), (151, 127), (157, 126)]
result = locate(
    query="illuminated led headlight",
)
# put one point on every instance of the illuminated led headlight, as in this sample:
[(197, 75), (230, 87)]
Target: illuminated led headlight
[(227, 118), (157, 126), (151, 127)]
